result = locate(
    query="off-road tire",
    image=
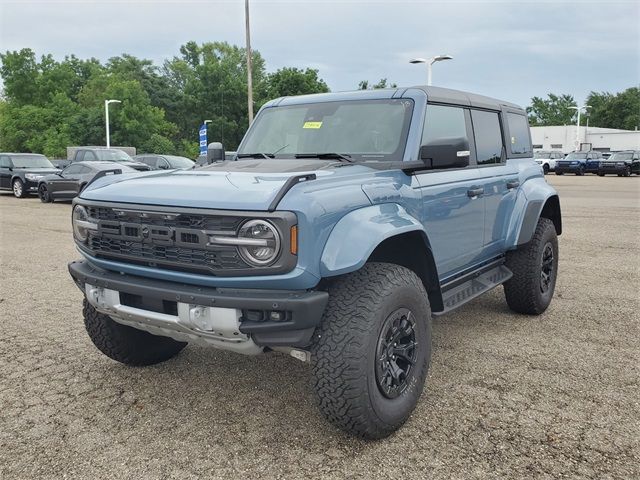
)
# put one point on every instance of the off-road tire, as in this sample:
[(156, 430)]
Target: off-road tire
[(43, 194), (126, 344), (545, 169), (581, 171), (524, 292), (18, 188), (344, 349), (627, 171)]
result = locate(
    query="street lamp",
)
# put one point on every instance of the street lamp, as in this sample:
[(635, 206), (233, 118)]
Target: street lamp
[(106, 117), (579, 109), (429, 62)]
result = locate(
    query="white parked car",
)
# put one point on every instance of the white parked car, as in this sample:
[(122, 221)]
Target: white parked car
[(548, 159)]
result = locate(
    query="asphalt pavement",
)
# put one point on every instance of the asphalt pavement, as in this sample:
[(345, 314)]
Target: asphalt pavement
[(508, 396)]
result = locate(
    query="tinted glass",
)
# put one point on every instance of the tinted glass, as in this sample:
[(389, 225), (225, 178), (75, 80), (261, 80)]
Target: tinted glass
[(179, 162), (364, 129), (73, 169), (576, 156), (543, 155), (488, 136), (4, 162), (519, 131), (443, 122), (112, 155), (621, 156), (31, 161)]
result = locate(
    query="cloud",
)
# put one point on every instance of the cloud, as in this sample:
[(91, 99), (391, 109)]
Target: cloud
[(509, 49)]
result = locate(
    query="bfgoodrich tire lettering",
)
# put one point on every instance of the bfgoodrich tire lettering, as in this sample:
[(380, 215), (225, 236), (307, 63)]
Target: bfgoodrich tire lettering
[(535, 269), (126, 344), (344, 358)]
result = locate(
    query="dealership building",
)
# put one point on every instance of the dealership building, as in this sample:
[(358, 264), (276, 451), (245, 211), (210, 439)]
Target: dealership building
[(591, 138)]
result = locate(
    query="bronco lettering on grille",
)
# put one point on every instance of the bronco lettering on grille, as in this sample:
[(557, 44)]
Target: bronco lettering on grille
[(153, 234)]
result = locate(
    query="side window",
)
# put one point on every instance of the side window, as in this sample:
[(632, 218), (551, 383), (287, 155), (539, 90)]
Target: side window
[(488, 136), (73, 169), (79, 156), (163, 164), (5, 162), (443, 122), (520, 142), (589, 156)]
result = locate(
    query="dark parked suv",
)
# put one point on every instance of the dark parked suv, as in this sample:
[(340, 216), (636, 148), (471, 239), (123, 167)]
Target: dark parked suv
[(621, 163), (21, 172), (579, 163)]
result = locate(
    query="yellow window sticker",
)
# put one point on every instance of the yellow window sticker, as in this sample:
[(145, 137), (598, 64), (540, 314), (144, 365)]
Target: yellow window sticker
[(312, 125)]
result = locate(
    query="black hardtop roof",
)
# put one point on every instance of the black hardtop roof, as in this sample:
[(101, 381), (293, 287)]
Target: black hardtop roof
[(448, 95)]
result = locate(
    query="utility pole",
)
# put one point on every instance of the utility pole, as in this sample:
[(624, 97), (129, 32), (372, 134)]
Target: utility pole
[(249, 79)]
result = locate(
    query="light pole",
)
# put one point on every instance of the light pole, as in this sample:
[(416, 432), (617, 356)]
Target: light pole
[(579, 109), (249, 79), (106, 117), (430, 62)]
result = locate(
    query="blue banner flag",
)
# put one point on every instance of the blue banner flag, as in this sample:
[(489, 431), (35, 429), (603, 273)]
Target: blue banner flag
[(203, 139)]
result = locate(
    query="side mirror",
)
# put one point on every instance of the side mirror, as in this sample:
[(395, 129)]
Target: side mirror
[(215, 152), (446, 153)]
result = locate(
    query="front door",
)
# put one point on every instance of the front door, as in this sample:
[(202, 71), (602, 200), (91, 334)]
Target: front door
[(452, 200)]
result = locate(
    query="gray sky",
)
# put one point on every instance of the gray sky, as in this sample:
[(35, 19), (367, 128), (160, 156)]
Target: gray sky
[(508, 49)]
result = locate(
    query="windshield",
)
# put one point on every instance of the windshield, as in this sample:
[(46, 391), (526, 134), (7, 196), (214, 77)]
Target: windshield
[(541, 155), (621, 156), (179, 162), (576, 156), (31, 161), (362, 129), (113, 155)]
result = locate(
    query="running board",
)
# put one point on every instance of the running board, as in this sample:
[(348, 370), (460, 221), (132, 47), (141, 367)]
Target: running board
[(458, 295)]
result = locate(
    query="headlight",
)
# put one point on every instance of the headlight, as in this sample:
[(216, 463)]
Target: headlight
[(33, 177), (82, 223), (259, 242)]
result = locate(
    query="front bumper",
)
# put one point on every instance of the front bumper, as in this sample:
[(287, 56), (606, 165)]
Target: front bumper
[(186, 310), (612, 169), (31, 186), (568, 168)]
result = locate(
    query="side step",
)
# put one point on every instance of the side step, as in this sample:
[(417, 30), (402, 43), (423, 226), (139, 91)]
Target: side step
[(458, 295)]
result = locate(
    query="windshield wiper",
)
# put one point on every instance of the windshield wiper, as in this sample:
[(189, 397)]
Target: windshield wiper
[(344, 157), (256, 155)]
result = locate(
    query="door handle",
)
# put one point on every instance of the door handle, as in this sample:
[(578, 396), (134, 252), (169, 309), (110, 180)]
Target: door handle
[(474, 192), (513, 184)]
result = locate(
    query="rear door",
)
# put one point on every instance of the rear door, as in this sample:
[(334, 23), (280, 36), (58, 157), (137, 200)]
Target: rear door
[(499, 176), (453, 205), (5, 171)]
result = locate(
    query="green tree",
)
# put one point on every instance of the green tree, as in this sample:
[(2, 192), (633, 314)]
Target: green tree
[(364, 85), (554, 110), (213, 80), (292, 81), (620, 110)]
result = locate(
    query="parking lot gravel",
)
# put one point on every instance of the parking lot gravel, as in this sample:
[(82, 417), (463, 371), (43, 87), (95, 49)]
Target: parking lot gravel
[(508, 396)]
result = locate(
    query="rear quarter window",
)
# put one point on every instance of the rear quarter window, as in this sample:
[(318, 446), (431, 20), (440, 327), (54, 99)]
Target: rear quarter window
[(520, 140)]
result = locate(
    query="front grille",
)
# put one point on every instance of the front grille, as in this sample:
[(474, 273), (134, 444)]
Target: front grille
[(160, 252), (161, 255)]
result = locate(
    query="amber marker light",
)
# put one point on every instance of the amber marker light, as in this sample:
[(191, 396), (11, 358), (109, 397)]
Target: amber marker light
[(294, 240)]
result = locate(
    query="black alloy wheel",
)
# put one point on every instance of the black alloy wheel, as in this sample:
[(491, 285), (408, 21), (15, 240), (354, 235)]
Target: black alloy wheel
[(547, 271), (396, 353)]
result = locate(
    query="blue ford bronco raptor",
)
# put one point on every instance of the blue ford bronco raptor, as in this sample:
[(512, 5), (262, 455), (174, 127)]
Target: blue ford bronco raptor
[(346, 221)]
